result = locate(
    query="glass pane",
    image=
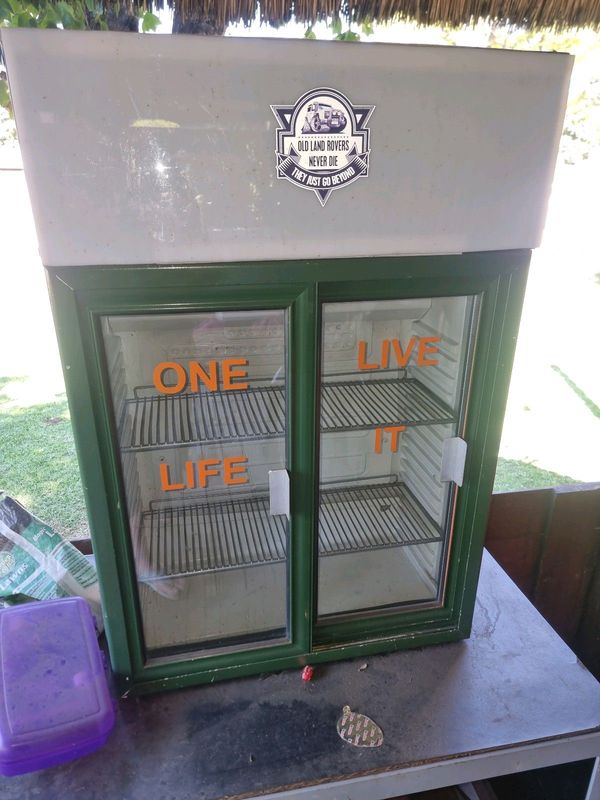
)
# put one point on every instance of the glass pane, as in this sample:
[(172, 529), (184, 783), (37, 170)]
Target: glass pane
[(392, 386), (200, 407)]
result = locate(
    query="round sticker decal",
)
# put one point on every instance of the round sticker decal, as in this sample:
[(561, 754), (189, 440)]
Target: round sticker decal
[(323, 142)]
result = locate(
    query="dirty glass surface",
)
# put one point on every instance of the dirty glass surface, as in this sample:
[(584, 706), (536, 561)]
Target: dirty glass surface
[(200, 404), (393, 376)]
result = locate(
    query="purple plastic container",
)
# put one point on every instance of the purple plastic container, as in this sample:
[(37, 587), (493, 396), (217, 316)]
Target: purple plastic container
[(54, 699)]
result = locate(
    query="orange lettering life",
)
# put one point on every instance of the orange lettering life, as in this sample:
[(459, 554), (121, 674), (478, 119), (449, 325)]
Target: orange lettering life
[(229, 470), (165, 480), (205, 471), (189, 473), (197, 473)]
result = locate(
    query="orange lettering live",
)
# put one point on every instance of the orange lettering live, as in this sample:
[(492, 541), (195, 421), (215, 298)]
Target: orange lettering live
[(422, 346)]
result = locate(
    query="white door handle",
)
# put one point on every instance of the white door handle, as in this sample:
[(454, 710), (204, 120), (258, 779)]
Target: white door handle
[(454, 454), (279, 492)]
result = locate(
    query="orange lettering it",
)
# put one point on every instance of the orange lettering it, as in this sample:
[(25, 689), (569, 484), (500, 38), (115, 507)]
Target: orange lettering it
[(395, 430)]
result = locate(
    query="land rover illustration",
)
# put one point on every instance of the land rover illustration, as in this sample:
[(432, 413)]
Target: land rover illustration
[(322, 118)]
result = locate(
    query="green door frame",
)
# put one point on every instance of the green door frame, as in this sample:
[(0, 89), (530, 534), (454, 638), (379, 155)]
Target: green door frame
[(80, 296), (491, 319)]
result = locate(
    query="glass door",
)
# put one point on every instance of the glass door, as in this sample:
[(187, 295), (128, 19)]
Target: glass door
[(200, 404), (393, 384)]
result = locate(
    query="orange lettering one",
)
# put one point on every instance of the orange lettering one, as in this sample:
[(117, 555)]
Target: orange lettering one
[(199, 376), (159, 373), (210, 379), (229, 373)]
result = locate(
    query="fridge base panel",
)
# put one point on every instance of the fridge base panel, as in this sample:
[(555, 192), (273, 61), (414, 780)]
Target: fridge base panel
[(346, 582), (207, 609), (231, 605)]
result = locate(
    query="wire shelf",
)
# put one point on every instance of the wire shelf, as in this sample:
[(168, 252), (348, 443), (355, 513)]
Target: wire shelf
[(348, 405), (238, 533), (161, 421)]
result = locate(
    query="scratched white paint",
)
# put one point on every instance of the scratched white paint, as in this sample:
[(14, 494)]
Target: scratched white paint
[(161, 149)]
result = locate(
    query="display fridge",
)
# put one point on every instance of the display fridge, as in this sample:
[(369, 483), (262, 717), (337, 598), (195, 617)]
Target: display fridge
[(286, 278)]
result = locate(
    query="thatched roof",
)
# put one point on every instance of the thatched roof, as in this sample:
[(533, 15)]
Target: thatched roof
[(526, 13)]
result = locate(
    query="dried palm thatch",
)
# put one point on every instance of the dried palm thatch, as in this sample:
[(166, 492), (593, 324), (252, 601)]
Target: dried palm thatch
[(217, 14)]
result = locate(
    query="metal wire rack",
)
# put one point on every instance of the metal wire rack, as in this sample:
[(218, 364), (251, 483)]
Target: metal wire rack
[(236, 533), (161, 421)]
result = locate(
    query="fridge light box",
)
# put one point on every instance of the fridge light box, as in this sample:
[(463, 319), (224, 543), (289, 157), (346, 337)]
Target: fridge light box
[(286, 278)]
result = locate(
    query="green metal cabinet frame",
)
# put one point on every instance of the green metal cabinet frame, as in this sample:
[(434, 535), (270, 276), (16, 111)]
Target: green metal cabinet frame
[(82, 295)]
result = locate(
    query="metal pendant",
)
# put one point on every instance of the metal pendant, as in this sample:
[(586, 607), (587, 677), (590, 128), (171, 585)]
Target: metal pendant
[(359, 730)]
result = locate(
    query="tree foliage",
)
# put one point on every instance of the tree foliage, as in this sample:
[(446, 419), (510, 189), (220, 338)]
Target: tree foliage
[(581, 132), (72, 15), (75, 15), (339, 34)]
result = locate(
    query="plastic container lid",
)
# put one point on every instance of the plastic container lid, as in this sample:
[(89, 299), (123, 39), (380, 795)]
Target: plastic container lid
[(55, 703)]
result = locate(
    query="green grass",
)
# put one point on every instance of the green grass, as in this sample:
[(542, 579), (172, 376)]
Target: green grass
[(578, 391), (513, 476), (38, 464)]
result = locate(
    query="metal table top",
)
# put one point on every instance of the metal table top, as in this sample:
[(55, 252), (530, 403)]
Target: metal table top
[(511, 697)]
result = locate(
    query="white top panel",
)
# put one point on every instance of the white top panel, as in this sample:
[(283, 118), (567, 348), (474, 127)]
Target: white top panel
[(462, 147)]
